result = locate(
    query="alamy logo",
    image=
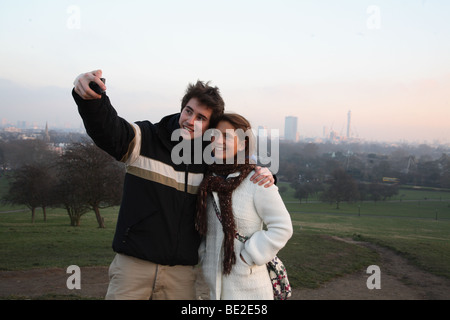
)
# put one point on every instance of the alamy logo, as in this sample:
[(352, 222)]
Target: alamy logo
[(374, 20), (373, 281), (263, 149), (73, 281), (74, 20)]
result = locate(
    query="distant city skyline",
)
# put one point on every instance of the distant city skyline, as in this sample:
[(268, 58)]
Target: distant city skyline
[(285, 134)]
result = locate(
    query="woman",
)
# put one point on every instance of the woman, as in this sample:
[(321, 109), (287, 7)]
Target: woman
[(230, 203)]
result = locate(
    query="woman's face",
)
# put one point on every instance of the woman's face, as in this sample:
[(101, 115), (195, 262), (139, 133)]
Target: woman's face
[(227, 143)]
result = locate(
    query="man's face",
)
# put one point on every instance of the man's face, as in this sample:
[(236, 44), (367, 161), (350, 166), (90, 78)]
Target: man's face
[(194, 119)]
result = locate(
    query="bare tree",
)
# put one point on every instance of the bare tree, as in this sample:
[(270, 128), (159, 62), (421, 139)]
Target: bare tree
[(30, 185), (91, 180), (342, 188)]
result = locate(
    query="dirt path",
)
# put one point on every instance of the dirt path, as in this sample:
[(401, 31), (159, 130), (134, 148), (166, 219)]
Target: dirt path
[(399, 281)]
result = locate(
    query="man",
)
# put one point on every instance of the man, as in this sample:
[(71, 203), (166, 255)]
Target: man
[(155, 239)]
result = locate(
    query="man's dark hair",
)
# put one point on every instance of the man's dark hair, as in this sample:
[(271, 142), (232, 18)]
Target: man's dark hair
[(208, 96)]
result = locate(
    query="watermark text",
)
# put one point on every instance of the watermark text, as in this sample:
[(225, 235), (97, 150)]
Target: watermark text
[(73, 281)]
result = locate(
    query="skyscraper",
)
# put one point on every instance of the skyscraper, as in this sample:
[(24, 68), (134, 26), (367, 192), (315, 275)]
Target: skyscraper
[(349, 118), (290, 129)]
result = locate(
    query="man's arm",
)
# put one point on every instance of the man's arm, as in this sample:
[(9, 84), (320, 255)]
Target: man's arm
[(263, 176), (109, 132)]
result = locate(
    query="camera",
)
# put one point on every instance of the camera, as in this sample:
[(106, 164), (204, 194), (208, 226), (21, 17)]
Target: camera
[(96, 88)]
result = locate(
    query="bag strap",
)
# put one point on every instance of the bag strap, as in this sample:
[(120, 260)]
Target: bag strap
[(218, 213), (219, 216)]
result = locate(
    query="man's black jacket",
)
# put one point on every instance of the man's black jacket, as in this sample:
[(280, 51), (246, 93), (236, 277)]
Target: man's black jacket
[(156, 217)]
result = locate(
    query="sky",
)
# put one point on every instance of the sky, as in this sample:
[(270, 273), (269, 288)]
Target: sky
[(386, 61)]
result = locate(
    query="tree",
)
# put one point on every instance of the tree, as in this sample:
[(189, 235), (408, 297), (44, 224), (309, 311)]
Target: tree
[(303, 190), (30, 185), (342, 187), (94, 181), (429, 173), (3, 164), (72, 197), (445, 177), (18, 153), (375, 191), (382, 169)]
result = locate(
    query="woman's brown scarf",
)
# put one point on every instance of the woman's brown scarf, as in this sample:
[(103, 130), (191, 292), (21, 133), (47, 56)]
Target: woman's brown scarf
[(224, 188)]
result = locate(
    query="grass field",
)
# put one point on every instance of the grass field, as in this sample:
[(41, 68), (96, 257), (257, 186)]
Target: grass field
[(54, 243), (415, 224), (312, 256)]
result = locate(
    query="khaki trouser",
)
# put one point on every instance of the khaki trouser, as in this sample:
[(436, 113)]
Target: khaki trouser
[(135, 279)]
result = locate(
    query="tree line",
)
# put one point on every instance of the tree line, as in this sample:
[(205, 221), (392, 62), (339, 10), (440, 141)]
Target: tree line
[(84, 178), (79, 179), (336, 173)]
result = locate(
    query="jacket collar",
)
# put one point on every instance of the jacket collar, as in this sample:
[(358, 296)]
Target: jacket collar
[(166, 127)]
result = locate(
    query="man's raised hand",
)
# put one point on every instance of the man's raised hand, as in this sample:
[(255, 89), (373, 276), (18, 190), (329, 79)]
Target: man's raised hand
[(82, 88)]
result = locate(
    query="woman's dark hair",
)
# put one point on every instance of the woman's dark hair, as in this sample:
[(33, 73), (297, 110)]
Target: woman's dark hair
[(208, 96), (239, 122)]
